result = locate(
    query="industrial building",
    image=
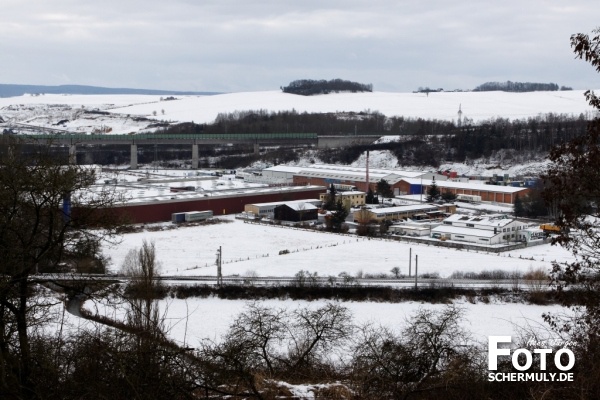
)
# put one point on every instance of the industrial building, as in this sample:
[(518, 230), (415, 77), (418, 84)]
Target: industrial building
[(267, 209), (419, 211), (161, 208), (491, 193), (325, 174), (401, 182), (412, 228), (351, 198), (296, 212), (486, 230)]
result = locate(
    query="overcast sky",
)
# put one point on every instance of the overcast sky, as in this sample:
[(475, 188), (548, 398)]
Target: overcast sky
[(242, 45)]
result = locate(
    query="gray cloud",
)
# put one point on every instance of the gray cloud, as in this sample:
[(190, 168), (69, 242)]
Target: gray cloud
[(261, 45)]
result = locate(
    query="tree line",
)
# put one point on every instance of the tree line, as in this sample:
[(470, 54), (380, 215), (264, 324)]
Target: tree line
[(509, 86), (426, 142), (432, 142), (442, 139), (310, 87)]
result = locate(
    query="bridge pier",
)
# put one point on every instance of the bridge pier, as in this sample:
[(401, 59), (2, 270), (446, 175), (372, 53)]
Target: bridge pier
[(256, 149), (133, 159), (194, 156), (72, 154)]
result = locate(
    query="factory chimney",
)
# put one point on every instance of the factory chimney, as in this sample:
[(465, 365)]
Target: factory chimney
[(367, 177)]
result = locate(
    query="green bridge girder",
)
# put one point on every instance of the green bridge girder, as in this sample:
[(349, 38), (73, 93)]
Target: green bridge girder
[(175, 137)]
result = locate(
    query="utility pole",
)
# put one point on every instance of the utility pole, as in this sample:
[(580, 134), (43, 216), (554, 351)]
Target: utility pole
[(416, 269), (219, 275), (409, 260)]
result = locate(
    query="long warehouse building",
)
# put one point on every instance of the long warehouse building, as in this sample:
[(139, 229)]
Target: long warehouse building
[(227, 202)]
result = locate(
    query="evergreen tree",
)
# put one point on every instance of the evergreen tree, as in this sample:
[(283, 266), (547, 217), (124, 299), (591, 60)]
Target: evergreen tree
[(330, 199), (337, 218), (384, 189), (448, 196), (433, 192), (371, 198), (519, 207)]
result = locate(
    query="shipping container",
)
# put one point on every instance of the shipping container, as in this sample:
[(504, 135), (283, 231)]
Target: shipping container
[(177, 217), (193, 216), (469, 198)]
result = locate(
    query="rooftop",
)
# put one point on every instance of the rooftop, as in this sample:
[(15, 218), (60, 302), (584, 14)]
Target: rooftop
[(344, 171), (300, 205), (495, 220), (477, 185), (400, 209), (289, 203)]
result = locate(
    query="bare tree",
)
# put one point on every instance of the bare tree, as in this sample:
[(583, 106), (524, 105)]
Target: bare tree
[(46, 210), (429, 353), (364, 219), (142, 267), (260, 329), (315, 332), (263, 344)]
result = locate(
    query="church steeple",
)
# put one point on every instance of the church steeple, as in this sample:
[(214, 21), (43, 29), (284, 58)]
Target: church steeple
[(459, 115)]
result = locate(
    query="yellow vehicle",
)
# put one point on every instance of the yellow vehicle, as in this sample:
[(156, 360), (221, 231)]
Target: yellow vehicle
[(550, 228)]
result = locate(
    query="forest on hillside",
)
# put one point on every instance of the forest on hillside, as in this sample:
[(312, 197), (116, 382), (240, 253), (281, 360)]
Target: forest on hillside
[(421, 141)]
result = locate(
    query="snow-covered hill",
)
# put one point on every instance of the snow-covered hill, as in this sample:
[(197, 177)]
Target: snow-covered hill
[(124, 114), (136, 113)]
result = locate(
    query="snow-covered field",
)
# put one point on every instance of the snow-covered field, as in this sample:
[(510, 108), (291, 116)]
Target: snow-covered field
[(475, 105), (194, 320), (254, 249), (135, 113)]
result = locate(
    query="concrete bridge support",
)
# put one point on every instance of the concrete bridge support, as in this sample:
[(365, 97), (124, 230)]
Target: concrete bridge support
[(72, 154), (194, 156), (256, 149), (133, 160)]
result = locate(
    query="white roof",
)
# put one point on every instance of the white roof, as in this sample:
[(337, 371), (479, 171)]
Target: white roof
[(344, 171), (350, 193), (290, 203), (400, 209), (496, 220), (346, 175), (284, 168), (174, 197), (480, 185), (300, 206)]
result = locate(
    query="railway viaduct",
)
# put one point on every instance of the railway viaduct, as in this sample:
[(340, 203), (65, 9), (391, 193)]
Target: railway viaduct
[(195, 140)]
